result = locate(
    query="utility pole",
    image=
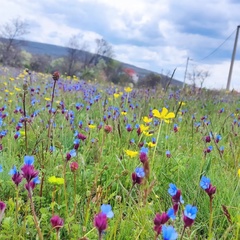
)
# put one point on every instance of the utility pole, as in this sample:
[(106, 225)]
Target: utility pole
[(233, 58), (185, 75)]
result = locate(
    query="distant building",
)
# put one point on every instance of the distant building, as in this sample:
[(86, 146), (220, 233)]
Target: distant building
[(132, 74)]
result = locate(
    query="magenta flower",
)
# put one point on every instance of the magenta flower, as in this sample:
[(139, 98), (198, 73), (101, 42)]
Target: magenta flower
[(16, 176), (28, 172), (100, 222), (57, 222), (159, 220), (2, 209)]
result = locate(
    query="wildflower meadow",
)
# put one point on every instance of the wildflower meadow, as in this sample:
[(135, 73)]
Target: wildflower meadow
[(88, 160)]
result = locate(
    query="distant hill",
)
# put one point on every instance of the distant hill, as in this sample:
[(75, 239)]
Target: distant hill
[(58, 51)]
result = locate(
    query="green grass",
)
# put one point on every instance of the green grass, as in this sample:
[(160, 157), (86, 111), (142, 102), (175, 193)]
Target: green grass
[(104, 173)]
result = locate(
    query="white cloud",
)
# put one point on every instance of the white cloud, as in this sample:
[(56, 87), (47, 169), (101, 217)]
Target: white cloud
[(154, 34)]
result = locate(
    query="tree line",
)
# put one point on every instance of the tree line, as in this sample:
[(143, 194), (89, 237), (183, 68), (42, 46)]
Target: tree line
[(78, 60)]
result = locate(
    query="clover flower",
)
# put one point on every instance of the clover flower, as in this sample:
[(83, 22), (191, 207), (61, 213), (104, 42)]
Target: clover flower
[(57, 222), (100, 222), (74, 166), (100, 219)]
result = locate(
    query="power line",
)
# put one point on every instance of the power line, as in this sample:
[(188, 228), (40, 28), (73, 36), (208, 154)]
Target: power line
[(216, 49)]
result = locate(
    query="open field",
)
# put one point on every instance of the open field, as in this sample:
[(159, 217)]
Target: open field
[(68, 147)]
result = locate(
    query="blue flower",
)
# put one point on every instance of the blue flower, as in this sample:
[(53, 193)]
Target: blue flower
[(171, 213), (190, 211), (36, 180), (169, 233), (205, 182), (1, 169), (172, 189), (29, 160), (107, 209), (73, 153), (144, 150), (13, 171), (140, 172)]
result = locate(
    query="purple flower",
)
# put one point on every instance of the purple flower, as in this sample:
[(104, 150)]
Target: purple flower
[(28, 172), (159, 220), (2, 209), (57, 222), (100, 222)]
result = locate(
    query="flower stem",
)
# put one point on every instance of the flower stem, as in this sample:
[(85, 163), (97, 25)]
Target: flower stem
[(210, 220), (159, 130), (183, 231), (25, 120), (34, 216), (50, 118)]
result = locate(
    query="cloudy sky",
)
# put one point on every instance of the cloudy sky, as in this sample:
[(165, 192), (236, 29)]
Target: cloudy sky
[(158, 35)]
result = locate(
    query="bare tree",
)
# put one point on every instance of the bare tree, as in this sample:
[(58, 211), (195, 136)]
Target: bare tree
[(10, 33), (76, 53), (103, 51), (198, 76)]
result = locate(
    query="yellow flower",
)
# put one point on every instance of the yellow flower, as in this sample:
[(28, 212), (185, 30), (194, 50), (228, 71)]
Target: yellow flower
[(55, 180), (124, 113), (163, 115), (6, 90), (150, 144), (57, 102), (131, 153), (9, 101), (18, 89), (11, 93), (143, 128), (91, 126), (47, 99), (11, 79), (127, 89), (239, 172), (116, 95), (148, 134), (182, 103), (22, 133), (147, 119)]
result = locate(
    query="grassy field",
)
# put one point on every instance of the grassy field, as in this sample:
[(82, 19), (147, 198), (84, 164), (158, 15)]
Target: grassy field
[(84, 160)]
